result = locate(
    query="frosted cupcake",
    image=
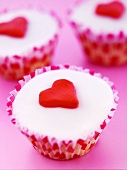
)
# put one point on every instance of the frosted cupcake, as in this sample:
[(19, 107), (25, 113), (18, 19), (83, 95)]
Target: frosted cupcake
[(101, 27), (27, 41), (62, 110)]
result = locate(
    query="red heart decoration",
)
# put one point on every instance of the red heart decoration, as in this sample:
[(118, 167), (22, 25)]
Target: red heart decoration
[(113, 9), (61, 94), (14, 28)]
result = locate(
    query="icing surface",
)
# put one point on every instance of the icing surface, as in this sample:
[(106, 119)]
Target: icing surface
[(95, 102), (85, 15), (41, 28)]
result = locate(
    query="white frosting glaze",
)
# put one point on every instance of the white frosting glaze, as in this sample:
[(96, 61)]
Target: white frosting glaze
[(95, 101), (85, 15), (41, 28)]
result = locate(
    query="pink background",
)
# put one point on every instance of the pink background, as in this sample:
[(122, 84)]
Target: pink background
[(111, 150)]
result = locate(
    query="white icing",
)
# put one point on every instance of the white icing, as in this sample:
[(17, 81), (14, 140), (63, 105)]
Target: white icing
[(41, 28), (95, 101), (85, 15)]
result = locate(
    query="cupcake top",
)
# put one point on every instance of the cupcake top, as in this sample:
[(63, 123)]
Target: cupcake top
[(37, 28), (101, 16), (94, 101)]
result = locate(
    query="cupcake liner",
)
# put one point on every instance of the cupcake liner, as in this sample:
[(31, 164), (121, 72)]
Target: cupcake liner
[(104, 52), (50, 146), (104, 48), (16, 66)]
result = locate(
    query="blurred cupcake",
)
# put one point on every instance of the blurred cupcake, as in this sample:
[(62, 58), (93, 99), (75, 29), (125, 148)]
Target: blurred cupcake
[(62, 109), (27, 41), (101, 27)]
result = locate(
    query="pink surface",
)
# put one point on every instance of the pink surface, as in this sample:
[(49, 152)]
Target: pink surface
[(111, 150)]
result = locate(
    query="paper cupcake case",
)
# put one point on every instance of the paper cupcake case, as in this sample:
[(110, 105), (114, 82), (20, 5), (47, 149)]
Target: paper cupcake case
[(50, 146), (105, 48), (16, 66)]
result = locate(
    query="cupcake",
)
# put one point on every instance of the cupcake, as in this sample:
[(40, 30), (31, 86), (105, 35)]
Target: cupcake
[(62, 109), (101, 28), (27, 40)]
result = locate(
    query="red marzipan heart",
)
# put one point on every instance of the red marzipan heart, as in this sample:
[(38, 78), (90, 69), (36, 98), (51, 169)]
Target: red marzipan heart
[(14, 28), (61, 94), (113, 9)]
